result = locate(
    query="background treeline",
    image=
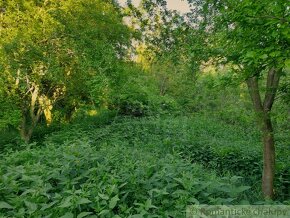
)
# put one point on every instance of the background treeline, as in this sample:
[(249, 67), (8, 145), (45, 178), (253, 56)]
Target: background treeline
[(61, 60)]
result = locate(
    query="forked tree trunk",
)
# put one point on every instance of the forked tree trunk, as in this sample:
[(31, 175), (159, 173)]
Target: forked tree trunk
[(263, 110)]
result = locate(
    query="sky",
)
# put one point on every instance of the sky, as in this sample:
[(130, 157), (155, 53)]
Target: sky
[(179, 5)]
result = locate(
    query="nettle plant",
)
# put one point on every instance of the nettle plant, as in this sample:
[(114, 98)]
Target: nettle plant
[(96, 173)]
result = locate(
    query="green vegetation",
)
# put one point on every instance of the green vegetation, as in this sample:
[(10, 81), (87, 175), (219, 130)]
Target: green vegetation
[(132, 166), (125, 111)]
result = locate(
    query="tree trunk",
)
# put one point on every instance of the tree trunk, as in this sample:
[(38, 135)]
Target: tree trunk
[(263, 110), (26, 134), (269, 157), (31, 113), (26, 129), (265, 124), (28, 124)]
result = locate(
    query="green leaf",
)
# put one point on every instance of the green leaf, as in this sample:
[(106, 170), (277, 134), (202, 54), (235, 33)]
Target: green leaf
[(68, 215), (66, 203), (137, 216), (113, 202), (103, 212), (46, 206), (4, 205), (83, 201), (287, 63), (251, 54), (264, 56), (275, 54), (103, 196), (31, 206), (83, 214), (48, 216), (149, 205), (242, 188)]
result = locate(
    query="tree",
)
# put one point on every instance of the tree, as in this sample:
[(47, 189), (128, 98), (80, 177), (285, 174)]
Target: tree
[(164, 48), (49, 49), (253, 37), (250, 36)]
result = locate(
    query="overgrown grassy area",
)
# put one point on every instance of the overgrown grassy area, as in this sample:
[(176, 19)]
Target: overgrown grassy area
[(129, 167)]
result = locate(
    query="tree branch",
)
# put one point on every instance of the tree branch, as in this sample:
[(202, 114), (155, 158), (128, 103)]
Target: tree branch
[(253, 87), (271, 88)]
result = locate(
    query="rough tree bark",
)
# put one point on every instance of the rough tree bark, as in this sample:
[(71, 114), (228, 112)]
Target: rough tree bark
[(30, 117), (28, 124), (263, 109)]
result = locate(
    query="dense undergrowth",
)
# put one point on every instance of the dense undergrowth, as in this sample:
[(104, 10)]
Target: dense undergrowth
[(129, 167), (120, 111)]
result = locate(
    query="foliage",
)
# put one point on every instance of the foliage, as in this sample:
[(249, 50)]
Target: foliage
[(229, 25), (109, 171), (66, 43), (232, 23), (139, 111), (214, 143)]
